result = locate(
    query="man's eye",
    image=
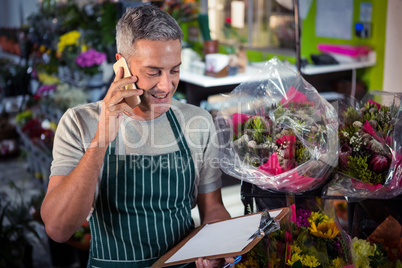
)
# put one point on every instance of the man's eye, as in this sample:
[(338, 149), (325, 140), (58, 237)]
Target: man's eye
[(175, 71), (153, 74)]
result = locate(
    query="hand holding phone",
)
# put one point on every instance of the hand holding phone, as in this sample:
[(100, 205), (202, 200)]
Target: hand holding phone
[(133, 100)]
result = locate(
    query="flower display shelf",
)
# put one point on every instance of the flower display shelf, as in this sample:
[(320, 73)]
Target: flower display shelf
[(39, 157), (51, 113)]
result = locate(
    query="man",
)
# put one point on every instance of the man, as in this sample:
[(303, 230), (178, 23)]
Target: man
[(154, 162)]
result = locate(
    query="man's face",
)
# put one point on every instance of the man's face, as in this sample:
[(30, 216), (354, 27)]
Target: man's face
[(157, 66)]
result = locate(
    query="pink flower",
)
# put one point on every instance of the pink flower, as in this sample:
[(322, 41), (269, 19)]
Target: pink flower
[(368, 129), (272, 165), (288, 238), (293, 218), (46, 90), (389, 140), (398, 159), (90, 58), (238, 118), (293, 95), (379, 163), (376, 103)]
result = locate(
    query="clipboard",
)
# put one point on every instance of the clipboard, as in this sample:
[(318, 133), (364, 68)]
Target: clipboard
[(170, 258)]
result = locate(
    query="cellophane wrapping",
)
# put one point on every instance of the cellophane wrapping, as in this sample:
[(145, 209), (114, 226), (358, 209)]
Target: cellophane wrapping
[(277, 132), (370, 148)]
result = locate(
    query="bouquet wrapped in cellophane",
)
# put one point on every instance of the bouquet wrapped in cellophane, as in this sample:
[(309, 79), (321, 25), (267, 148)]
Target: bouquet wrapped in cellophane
[(309, 237), (277, 132), (370, 154)]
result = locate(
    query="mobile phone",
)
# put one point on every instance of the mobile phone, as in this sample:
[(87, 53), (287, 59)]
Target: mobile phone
[(133, 100)]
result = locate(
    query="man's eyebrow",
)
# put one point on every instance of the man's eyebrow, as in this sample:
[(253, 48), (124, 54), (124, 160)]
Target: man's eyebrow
[(160, 68)]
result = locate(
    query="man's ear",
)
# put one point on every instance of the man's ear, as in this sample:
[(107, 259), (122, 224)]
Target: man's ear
[(118, 56)]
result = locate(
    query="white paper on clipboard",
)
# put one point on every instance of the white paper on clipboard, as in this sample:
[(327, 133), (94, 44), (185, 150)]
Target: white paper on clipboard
[(221, 238)]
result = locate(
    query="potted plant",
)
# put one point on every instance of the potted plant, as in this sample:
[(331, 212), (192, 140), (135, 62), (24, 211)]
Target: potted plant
[(16, 223)]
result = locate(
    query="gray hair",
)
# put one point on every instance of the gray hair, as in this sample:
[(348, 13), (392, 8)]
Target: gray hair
[(145, 22)]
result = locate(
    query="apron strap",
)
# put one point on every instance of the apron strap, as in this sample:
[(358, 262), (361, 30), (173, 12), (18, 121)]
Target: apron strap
[(112, 147), (178, 133)]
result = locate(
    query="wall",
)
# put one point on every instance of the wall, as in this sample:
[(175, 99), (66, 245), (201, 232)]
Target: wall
[(393, 40), (373, 77), (15, 12)]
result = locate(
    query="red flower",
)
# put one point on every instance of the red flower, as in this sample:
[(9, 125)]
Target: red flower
[(228, 20), (379, 163), (344, 154)]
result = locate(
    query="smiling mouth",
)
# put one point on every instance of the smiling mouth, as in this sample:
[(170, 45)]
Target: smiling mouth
[(159, 96)]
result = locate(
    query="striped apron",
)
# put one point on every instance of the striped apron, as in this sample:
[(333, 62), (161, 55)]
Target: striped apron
[(144, 205)]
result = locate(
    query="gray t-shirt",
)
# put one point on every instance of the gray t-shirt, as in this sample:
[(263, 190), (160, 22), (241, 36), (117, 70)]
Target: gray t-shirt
[(78, 125)]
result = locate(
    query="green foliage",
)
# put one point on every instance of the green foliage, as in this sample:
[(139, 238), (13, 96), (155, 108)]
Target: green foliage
[(259, 128), (302, 154), (351, 115), (23, 117), (15, 223), (350, 130), (380, 256), (358, 168), (297, 264), (382, 117), (70, 16)]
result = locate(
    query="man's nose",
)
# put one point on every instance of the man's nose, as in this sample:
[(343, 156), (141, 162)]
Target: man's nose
[(165, 83)]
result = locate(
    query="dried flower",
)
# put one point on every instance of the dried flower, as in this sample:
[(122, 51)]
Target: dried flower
[(357, 124)]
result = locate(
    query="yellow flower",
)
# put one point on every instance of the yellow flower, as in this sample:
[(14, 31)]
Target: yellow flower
[(295, 249), (310, 261), (84, 48), (318, 217), (337, 263), (42, 48), (273, 260), (295, 257), (324, 230), (249, 263), (47, 79), (68, 39)]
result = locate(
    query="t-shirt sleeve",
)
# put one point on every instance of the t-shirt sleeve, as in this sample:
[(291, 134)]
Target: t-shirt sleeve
[(209, 170), (68, 147)]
